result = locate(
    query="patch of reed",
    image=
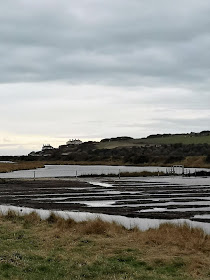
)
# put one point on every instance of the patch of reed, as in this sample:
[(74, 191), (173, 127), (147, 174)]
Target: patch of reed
[(100, 227), (52, 219), (32, 218), (11, 215), (60, 223), (63, 224), (8, 167), (178, 235)]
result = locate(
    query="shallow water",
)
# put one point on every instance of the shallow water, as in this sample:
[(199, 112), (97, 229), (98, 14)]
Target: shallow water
[(142, 224), (129, 196), (155, 209)]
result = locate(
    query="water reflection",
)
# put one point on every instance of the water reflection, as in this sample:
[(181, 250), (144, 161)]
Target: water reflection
[(142, 224)]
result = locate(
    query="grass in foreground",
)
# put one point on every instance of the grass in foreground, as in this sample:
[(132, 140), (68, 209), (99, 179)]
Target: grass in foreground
[(59, 249)]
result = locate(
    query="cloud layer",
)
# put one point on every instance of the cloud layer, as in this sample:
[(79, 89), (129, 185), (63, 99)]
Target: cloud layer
[(94, 69), (117, 42)]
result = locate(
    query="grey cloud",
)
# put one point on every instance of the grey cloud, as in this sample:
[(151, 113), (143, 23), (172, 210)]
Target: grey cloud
[(123, 42), (95, 68)]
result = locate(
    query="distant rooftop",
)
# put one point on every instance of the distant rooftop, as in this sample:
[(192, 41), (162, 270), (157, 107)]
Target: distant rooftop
[(74, 142), (47, 147)]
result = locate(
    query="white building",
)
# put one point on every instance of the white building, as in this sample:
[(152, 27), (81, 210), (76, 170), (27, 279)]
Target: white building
[(74, 142), (47, 147)]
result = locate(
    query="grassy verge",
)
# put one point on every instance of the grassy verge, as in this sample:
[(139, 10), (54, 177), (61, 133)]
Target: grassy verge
[(8, 167), (59, 249)]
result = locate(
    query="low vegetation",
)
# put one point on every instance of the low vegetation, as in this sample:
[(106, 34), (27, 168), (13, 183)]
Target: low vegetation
[(64, 249), (8, 167), (127, 174)]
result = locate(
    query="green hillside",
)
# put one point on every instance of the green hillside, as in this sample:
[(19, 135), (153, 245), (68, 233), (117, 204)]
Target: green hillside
[(173, 139), (191, 138), (114, 144)]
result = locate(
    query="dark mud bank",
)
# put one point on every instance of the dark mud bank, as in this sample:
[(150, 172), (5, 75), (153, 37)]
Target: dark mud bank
[(139, 199)]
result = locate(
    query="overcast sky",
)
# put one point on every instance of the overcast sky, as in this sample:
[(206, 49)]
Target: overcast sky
[(92, 69)]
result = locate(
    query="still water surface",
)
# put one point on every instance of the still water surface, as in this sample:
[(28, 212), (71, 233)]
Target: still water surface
[(73, 170)]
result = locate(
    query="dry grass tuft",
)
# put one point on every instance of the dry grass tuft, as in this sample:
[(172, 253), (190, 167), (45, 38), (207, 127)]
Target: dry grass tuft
[(53, 218), (63, 224), (95, 227), (32, 218), (10, 215), (100, 227), (60, 223), (178, 235)]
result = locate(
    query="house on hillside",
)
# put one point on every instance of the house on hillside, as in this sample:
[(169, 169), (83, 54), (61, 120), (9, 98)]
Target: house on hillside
[(74, 142), (47, 147), (34, 154)]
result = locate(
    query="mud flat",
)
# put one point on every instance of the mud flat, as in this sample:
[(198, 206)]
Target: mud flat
[(153, 198)]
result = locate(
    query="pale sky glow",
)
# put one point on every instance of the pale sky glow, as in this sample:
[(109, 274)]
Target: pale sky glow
[(92, 69)]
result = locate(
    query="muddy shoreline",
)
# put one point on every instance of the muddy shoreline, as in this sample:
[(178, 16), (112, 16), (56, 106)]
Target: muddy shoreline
[(136, 199)]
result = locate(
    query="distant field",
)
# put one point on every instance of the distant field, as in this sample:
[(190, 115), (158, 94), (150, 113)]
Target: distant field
[(184, 139), (115, 144)]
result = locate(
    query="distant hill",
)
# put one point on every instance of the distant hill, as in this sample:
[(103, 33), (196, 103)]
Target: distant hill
[(190, 149), (202, 137)]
